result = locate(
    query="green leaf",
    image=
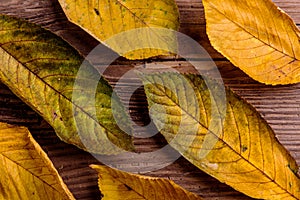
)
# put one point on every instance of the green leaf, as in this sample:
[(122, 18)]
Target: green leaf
[(223, 136), (26, 171), (41, 69), (105, 19)]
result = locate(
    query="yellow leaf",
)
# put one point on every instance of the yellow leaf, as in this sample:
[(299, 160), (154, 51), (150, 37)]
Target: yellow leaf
[(257, 37), (42, 69), (119, 185), (104, 19), (26, 171), (224, 137)]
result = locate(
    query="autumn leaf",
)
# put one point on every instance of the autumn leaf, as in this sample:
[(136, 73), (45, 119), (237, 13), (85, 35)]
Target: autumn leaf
[(224, 137), (105, 19), (257, 37), (120, 185), (26, 171), (41, 69)]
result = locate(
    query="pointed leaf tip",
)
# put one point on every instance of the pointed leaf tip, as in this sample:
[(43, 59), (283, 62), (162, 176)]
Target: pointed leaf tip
[(119, 185), (257, 37)]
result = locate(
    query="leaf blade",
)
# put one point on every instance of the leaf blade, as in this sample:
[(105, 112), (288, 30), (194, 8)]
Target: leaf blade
[(105, 19), (257, 37), (27, 172), (115, 184), (245, 154), (41, 69)]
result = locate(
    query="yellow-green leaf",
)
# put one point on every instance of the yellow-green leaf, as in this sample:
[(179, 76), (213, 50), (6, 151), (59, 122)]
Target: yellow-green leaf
[(225, 137), (41, 69), (119, 185), (26, 171), (105, 19), (257, 37)]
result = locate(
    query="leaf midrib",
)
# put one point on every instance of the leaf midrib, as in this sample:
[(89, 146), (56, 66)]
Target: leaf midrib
[(284, 189), (135, 191), (52, 88), (13, 161), (242, 27), (146, 24), (132, 13), (139, 19)]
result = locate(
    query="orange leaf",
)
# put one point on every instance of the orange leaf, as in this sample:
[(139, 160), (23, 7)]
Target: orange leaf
[(257, 37)]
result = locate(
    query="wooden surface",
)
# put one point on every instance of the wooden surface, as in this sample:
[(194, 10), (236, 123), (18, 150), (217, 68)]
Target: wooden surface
[(279, 105)]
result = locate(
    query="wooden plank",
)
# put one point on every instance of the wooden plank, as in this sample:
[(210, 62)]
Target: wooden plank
[(279, 105)]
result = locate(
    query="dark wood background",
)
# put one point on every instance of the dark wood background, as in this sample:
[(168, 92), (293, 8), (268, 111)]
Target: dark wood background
[(279, 105)]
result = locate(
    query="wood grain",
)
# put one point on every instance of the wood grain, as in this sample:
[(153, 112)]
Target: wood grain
[(279, 105)]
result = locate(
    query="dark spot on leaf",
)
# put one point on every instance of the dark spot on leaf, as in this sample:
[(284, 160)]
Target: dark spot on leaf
[(96, 11), (128, 188), (18, 47), (295, 171), (244, 148)]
